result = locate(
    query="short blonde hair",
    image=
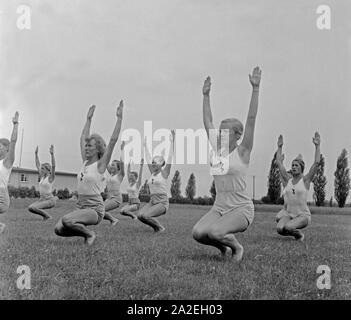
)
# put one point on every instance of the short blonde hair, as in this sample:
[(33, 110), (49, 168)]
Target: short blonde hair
[(99, 142), (235, 124), (5, 142), (160, 160), (135, 174), (47, 166)]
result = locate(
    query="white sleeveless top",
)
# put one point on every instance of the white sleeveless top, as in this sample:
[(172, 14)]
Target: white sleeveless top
[(90, 181), (295, 197), (133, 191), (157, 184), (229, 174), (4, 175), (45, 187), (113, 184)]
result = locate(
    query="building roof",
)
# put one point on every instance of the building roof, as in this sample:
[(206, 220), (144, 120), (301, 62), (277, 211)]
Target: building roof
[(58, 173)]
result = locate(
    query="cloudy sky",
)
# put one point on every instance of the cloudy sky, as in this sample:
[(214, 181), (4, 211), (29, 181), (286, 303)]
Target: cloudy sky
[(156, 54)]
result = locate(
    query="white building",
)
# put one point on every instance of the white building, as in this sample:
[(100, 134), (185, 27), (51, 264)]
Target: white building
[(21, 177)]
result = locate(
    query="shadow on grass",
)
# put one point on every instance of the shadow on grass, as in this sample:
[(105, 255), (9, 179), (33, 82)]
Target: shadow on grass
[(201, 257)]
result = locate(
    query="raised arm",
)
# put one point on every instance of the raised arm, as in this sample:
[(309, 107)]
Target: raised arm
[(128, 169), (105, 160), (10, 158), (148, 156), (37, 161), (207, 115), (53, 165), (247, 142), (317, 158), (86, 131), (140, 173), (166, 171), (279, 160), (122, 171)]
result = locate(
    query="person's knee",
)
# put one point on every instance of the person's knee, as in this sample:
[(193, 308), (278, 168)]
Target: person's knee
[(198, 233), (67, 222), (289, 228), (32, 208), (216, 234), (58, 228), (142, 216), (280, 229)]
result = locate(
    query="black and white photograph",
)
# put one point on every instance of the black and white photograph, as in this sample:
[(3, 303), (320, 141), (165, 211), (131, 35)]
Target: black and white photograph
[(186, 150)]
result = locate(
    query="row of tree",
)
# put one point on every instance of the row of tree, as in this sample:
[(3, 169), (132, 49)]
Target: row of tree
[(26, 192), (190, 190), (341, 182), (274, 194)]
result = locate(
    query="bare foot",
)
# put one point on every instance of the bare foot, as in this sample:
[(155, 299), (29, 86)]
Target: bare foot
[(2, 227), (47, 218), (90, 240), (299, 236), (161, 229), (114, 222), (238, 254), (227, 251)]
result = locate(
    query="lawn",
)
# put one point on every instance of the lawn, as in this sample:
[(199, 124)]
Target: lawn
[(129, 261)]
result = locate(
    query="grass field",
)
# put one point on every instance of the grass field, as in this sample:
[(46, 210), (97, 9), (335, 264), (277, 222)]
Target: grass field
[(129, 261)]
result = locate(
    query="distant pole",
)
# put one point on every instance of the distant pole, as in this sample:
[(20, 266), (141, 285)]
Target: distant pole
[(20, 159), (253, 187)]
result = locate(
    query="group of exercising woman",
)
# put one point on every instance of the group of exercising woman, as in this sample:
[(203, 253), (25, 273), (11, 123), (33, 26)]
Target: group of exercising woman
[(232, 212)]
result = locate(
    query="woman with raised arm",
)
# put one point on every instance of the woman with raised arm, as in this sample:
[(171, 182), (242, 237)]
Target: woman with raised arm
[(7, 158), (134, 180), (114, 177), (233, 210), (46, 180), (91, 182), (296, 214), (158, 205)]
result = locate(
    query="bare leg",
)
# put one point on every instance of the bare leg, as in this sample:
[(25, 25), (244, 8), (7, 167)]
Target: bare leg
[(111, 204), (281, 214), (61, 231), (281, 226), (4, 206), (37, 208), (293, 225), (224, 228), (74, 224), (201, 230), (128, 210), (148, 216)]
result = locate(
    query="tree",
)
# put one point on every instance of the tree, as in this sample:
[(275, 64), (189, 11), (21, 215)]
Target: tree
[(213, 191), (319, 181), (274, 182), (190, 189), (342, 179), (32, 192), (63, 194), (175, 187)]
